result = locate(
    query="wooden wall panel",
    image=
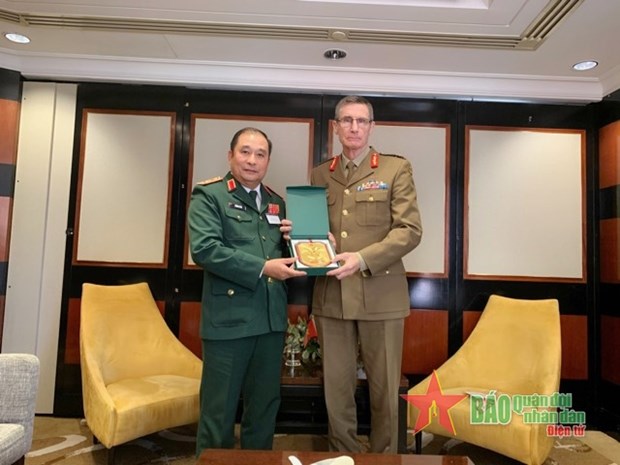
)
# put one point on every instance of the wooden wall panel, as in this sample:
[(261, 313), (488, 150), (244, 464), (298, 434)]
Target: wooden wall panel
[(610, 349), (574, 346), (296, 311), (5, 227), (72, 340), (9, 118), (609, 159), (189, 327), (425, 345), (610, 263), (470, 320)]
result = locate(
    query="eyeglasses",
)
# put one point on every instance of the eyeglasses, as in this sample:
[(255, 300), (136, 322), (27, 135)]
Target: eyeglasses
[(347, 122)]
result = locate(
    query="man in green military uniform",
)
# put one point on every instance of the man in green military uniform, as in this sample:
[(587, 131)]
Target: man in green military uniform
[(234, 228)]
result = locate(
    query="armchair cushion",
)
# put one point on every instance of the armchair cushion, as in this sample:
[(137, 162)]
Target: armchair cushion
[(137, 377), (515, 349), (19, 380)]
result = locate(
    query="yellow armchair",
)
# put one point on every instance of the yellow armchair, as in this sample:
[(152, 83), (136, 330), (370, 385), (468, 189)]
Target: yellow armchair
[(137, 377), (515, 349)]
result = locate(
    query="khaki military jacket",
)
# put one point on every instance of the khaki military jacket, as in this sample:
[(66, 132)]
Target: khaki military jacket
[(231, 239), (376, 214)]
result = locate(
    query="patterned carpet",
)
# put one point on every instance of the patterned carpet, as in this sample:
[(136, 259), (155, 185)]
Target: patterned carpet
[(68, 441)]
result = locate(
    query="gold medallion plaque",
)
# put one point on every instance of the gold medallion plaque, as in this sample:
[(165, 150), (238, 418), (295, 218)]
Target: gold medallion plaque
[(313, 254)]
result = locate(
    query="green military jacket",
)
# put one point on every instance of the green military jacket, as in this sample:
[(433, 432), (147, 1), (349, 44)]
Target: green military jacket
[(231, 239)]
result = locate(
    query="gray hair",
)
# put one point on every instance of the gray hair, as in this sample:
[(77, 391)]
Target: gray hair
[(349, 99)]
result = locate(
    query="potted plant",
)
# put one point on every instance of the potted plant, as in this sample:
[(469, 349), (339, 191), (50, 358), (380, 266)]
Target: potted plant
[(302, 338)]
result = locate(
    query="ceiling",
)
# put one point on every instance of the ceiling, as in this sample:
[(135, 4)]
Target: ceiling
[(509, 50)]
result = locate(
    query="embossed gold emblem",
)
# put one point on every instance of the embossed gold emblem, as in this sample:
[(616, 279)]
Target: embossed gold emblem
[(313, 254)]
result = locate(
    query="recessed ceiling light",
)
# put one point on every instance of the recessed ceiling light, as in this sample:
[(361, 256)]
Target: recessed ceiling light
[(17, 38), (585, 65), (335, 54)]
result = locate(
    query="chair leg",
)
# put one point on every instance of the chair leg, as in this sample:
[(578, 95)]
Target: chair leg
[(111, 455), (416, 447), (418, 442), (421, 440), (449, 444)]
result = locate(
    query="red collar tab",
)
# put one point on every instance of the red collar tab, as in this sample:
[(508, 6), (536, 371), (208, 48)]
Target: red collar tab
[(231, 184), (334, 163), (374, 160)]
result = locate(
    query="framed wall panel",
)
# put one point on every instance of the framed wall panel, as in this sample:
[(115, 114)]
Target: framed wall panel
[(427, 148), (524, 204), (291, 155), (124, 188)]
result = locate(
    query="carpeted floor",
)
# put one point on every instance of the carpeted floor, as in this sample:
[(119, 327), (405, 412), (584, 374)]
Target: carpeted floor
[(68, 441)]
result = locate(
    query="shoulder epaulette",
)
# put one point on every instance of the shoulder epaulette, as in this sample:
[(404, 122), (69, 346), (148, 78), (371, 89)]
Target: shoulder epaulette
[(392, 155), (210, 181), (271, 191), (329, 160)]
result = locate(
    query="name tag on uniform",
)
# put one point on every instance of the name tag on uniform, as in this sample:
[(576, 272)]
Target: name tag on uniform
[(273, 219), (236, 206), (273, 213)]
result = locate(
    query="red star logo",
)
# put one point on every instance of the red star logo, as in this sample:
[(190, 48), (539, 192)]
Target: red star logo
[(434, 403)]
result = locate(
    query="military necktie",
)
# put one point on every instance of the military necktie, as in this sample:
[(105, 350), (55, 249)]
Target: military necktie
[(350, 170), (254, 196)]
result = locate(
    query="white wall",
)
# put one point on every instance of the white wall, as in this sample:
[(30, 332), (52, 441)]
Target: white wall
[(39, 222)]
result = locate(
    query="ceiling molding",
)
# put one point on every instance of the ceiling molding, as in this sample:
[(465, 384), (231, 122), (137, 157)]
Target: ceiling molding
[(533, 36), (260, 77)]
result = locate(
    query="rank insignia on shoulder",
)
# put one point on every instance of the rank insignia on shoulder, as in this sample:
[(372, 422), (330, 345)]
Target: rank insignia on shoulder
[(374, 160), (334, 162), (210, 181)]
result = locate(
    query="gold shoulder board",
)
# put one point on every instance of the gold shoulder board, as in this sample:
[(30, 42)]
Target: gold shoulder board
[(210, 181)]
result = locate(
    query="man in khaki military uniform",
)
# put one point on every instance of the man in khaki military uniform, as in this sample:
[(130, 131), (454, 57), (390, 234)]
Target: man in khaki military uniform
[(234, 229), (373, 214)]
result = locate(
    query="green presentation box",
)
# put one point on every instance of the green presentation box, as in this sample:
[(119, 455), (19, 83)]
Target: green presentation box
[(306, 207)]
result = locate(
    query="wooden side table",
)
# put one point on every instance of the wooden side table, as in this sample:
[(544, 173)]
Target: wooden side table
[(303, 409)]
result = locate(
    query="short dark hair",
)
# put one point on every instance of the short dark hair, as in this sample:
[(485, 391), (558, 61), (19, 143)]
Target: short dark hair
[(349, 99), (235, 139)]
